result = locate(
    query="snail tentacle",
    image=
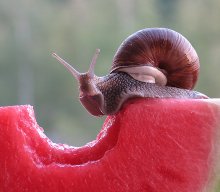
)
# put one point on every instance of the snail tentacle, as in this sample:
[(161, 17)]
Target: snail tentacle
[(70, 68)]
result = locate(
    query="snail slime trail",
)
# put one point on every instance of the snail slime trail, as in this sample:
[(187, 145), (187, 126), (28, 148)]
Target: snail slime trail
[(152, 63)]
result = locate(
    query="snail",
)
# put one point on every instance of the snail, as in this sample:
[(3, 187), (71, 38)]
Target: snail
[(152, 63)]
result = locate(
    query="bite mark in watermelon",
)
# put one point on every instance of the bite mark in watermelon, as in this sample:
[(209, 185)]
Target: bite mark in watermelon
[(152, 145)]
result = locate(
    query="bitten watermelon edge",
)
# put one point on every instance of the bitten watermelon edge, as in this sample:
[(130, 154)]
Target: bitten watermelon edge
[(150, 145)]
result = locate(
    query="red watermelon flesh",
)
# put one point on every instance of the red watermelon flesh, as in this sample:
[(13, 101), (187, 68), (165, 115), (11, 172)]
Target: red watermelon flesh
[(152, 145)]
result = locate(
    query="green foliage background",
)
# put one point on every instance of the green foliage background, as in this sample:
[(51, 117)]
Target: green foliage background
[(31, 30)]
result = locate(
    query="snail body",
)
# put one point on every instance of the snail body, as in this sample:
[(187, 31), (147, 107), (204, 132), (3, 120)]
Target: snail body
[(152, 63)]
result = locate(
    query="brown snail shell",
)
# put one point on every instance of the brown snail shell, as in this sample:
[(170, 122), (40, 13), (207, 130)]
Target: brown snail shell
[(163, 49)]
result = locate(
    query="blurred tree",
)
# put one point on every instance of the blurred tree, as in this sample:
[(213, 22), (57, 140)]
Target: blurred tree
[(167, 10), (23, 46), (126, 14)]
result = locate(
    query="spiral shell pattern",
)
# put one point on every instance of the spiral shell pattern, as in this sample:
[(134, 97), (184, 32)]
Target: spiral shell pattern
[(161, 48)]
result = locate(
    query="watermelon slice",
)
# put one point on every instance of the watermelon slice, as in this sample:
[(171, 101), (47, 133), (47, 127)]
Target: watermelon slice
[(152, 145)]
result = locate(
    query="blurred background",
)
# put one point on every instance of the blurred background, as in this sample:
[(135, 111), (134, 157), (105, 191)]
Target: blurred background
[(31, 30)]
